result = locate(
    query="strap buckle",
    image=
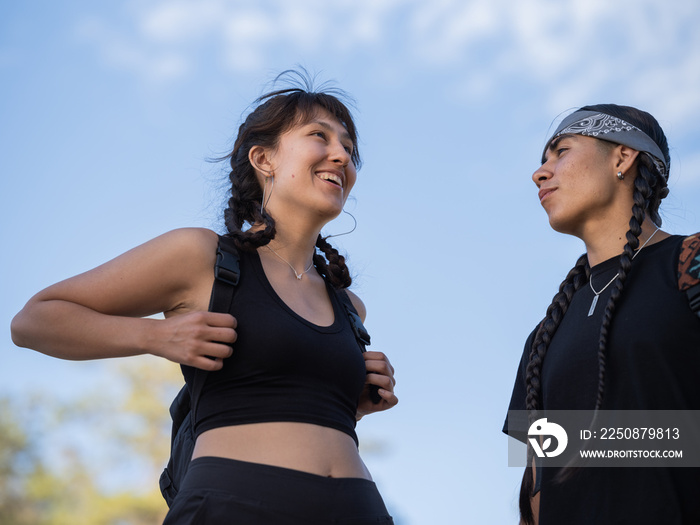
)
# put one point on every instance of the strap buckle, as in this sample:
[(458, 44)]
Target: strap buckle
[(358, 328), (227, 267)]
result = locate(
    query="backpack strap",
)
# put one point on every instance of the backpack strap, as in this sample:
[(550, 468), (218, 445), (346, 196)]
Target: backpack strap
[(361, 335), (227, 273), (358, 328), (182, 410), (689, 271)]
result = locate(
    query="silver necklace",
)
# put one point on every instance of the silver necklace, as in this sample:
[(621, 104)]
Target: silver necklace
[(297, 275), (590, 280)]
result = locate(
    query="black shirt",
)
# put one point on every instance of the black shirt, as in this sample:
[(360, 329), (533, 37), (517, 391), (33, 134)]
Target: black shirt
[(653, 363), (283, 367)]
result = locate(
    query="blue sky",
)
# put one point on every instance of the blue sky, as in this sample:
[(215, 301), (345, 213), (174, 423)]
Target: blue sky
[(109, 112)]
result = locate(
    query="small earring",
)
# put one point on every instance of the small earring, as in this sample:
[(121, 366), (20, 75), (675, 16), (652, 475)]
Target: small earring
[(620, 175)]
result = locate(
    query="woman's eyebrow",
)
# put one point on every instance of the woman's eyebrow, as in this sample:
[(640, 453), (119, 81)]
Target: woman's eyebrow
[(553, 145), (326, 125)]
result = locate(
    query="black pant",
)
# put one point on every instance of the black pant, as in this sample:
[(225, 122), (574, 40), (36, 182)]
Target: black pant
[(226, 491)]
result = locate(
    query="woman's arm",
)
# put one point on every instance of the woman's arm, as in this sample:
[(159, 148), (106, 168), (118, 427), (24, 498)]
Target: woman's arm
[(98, 314)]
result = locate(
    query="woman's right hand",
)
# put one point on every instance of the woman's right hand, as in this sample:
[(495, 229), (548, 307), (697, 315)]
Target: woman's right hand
[(199, 339), (104, 312)]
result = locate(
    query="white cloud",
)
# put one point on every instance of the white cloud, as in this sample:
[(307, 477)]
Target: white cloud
[(161, 38), (177, 21), (674, 87), (568, 51), (251, 26), (575, 52), (245, 37), (443, 31)]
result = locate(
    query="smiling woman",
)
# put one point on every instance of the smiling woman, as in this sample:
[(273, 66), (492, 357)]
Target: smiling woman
[(281, 379)]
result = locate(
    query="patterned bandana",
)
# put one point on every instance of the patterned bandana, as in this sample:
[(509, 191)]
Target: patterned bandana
[(612, 129)]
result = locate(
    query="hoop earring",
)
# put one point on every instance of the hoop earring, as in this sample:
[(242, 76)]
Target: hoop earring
[(264, 201), (354, 226), (620, 175)]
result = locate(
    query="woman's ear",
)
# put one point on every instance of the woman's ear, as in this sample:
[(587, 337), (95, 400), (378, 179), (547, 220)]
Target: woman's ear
[(624, 158), (259, 158)]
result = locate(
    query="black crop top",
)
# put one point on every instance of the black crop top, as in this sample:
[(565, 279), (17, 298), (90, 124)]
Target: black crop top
[(283, 367)]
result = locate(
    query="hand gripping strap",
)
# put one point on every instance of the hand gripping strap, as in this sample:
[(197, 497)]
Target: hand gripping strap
[(689, 271)]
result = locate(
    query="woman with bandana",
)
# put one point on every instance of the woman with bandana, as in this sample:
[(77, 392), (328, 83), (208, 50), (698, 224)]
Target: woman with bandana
[(619, 334)]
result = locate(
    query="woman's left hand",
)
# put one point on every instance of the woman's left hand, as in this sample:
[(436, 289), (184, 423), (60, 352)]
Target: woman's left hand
[(379, 373)]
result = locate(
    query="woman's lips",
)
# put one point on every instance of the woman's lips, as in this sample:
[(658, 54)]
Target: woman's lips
[(332, 176), (544, 192)]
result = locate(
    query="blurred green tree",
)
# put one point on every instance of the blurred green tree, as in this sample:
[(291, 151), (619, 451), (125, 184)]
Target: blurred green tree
[(93, 460), (96, 459)]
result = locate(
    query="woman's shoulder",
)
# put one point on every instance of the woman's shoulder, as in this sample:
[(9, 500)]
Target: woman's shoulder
[(358, 304), (189, 248), (195, 237), (189, 242), (185, 259)]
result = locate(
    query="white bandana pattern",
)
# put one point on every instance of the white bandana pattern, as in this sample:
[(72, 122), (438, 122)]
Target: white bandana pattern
[(597, 124), (603, 124)]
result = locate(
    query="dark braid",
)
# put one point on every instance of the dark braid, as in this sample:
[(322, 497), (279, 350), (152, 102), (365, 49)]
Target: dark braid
[(245, 203), (657, 187), (576, 278), (641, 196), (335, 271), (650, 187), (276, 113)]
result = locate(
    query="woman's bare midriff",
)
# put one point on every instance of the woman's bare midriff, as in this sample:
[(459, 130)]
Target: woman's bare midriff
[(300, 446)]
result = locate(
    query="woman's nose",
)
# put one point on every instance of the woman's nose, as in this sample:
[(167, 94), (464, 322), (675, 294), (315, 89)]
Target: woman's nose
[(340, 155), (541, 174)]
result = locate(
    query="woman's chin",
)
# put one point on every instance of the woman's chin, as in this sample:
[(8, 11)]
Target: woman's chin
[(559, 225)]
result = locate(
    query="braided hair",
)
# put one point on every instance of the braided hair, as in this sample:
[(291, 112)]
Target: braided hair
[(650, 187), (275, 113)]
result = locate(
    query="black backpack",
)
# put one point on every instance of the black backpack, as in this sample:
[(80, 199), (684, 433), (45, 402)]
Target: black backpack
[(183, 408)]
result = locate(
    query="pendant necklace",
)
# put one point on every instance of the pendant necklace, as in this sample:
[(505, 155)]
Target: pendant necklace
[(297, 275), (590, 280)]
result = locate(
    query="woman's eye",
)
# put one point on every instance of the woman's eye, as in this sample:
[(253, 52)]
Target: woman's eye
[(319, 134), (561, 150)]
